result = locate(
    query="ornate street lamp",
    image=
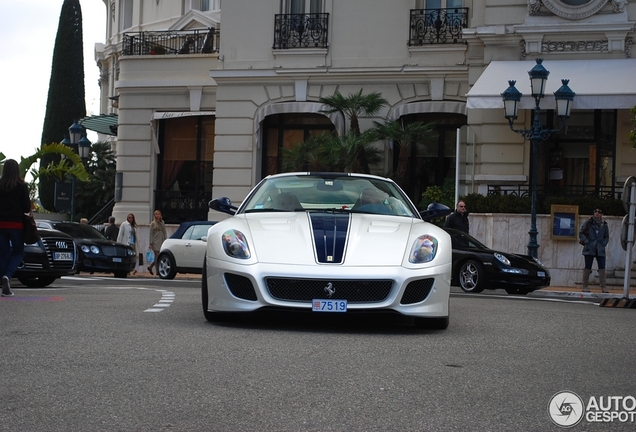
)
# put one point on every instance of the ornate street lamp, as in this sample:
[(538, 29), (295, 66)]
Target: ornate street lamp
[(511, 97), (80, 144)]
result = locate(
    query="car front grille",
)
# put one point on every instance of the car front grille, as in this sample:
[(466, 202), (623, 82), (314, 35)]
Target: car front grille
[(417, 291), (114, 250), (53, 245), (354, 291)]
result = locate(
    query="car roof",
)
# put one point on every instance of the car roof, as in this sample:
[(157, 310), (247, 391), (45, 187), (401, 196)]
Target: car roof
[(185, 225)]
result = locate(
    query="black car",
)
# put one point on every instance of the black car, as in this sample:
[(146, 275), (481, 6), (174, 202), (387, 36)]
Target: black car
[(95, 253), (52, 257), (477, 267), (184, 251)]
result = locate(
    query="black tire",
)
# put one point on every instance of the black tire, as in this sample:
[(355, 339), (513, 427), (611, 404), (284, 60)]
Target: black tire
[(432, 323), (37, 281), (121, 274), (472, 277), (166, 267), (518, 291)]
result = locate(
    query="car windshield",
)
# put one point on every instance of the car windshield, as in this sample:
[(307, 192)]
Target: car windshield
[(76, 230), (325, 192), (461, 240)]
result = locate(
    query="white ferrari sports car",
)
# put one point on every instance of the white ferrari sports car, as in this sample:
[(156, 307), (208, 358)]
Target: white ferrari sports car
[(328, 243)]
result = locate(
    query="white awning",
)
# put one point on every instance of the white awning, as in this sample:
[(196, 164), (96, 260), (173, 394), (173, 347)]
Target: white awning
[(598, 84)]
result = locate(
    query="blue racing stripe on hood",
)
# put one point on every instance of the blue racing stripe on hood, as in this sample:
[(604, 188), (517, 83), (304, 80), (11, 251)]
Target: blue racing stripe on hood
[(330, 236)]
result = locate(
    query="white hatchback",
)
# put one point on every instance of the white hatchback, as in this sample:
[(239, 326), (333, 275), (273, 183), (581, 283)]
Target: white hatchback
[(184, 251)]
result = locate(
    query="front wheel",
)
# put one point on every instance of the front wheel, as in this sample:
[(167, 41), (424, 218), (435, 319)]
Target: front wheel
[(121, 274), (472, 277), (37, 281), (166, 267)]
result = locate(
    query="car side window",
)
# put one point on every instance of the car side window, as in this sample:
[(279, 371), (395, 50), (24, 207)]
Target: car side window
[(187, 235), (199, 231)]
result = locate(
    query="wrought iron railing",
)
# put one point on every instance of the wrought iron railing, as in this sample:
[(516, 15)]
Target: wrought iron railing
[(179, 206), (570, 191), (171, 42), (301, 30), (437, 26)]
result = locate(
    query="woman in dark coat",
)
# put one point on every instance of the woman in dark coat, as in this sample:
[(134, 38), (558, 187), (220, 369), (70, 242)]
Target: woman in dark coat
[(594, 236), (14, 196)]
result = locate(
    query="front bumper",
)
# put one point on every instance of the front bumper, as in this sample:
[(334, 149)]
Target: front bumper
[(244, 288)]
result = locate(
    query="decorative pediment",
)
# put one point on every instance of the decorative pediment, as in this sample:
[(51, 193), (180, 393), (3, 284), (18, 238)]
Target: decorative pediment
[(195, 19), (574, 9)]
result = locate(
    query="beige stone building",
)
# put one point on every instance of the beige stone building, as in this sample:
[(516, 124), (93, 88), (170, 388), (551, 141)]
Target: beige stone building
[(204, 109)]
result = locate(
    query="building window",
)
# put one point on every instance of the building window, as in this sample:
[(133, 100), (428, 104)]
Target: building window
[(302, 6), (204, 5), (580, 159), (125, 14), (184, 180), (284, 131)]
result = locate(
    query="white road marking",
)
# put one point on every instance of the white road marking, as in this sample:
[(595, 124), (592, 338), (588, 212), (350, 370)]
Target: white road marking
[(167, 297)]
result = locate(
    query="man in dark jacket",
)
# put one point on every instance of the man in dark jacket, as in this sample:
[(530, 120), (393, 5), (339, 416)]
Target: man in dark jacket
[(458, 219), (112, 230)]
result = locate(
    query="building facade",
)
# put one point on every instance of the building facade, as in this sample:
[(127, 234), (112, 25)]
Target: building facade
[(205, 109)]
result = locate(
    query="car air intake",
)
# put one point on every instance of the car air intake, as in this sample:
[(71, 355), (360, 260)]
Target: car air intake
[(240, 286), (306, 290), (417, 291)]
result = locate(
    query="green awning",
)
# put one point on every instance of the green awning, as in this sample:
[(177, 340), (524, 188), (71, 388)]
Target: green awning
[(104, 124)]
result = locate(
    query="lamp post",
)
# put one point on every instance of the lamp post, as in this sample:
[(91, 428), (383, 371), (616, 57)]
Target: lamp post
[(511, 97), (81, 145)]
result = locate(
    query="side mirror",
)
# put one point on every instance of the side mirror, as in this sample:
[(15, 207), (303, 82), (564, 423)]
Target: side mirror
[(223, 205), (434, 211)]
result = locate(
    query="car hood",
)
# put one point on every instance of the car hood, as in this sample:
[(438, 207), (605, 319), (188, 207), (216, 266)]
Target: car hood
[(304, 238), (98, 242)]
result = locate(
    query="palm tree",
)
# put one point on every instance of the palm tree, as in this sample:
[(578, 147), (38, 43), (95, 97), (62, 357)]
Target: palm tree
[(352, 106), (405, 135), (330, 152)]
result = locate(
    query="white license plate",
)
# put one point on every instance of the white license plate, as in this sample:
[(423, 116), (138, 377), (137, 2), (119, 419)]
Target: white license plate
[(62, 256), (541, 274), (116, 259), (319, 305)]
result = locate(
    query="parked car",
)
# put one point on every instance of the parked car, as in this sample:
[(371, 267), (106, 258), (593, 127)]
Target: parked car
[(52, 257), (477, 267), (95, 253), (184, 251), (327, 242)]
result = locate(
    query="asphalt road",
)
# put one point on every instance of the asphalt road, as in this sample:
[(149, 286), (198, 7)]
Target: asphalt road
[(105, 354)]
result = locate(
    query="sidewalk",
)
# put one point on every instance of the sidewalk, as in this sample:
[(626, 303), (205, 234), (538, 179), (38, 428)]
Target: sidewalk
[(576, 291)]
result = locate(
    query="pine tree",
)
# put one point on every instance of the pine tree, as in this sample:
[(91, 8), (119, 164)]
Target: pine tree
[(66, 98)]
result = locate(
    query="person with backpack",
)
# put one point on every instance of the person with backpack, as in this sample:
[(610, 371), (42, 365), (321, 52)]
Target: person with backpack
[(594, 236)]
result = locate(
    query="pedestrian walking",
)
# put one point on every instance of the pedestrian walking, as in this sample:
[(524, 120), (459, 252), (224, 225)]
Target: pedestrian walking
[(14, 196), (157, 236), (458, 219), (128, 233), (594, 236)]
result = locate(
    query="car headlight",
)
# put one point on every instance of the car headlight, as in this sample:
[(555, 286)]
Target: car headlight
[(423, 250), (235, 244), (537, 261), (35, 247), (502, 258), (92, 249), (130, 252)]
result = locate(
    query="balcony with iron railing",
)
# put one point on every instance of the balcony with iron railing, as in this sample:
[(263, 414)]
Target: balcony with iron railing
[(301, 31), (171, 42), (437, 26)]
